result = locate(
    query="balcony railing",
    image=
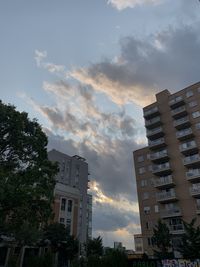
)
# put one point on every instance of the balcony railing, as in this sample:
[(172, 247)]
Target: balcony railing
[(164, 181), (184, 133), (181, 122), (156, 143), (161, 168), (154, 131), (156, 121), (159, 155), (193, 174), (170, 213), (193, 159), (179, 111), (177, 101), (198, 209), (151, 111), (176, 229), (166, 196), (188, 146), (195, 191)]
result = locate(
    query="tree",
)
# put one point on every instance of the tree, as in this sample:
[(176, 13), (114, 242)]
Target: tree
[(57, 235), (26, 175), (94, 247), (190, 242), (115, 258), (162, 240)]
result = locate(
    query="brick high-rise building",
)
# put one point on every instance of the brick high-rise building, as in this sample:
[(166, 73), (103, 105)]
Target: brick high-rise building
[(168, 169)]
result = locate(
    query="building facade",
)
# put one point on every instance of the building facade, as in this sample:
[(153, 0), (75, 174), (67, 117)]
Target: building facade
[(73, 204), (168, 169), (138, 244)]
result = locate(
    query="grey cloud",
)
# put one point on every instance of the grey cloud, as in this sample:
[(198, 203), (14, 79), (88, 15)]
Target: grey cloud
[(112, 170), (108, 218), (172, 63)]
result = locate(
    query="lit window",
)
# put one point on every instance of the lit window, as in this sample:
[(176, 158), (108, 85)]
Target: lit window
[(63, 204), (196, 114), (189, 93), (141, 170), (140, 158), (192, 104)]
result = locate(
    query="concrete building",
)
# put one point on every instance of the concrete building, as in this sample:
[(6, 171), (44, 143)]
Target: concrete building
[(138, 244), (168, 169), (73, 205)]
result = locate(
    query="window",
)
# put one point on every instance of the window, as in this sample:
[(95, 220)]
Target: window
[(141, 170), (189, 93), (63, 203), (143, 183), (140, 158), (198, 89), (196, 114), (145, 195), (150, 168), (146, 210), (147, 225), (62, 220), (69, 225), (156, 208), (69, 209), (197, 125), (192, 104)]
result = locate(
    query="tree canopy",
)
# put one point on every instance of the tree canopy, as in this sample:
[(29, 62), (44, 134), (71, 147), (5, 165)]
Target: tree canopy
[(162, 240), (190, 242), (94, 247), (26, 175)]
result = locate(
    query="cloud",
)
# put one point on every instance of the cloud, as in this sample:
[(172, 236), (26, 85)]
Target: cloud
[(144, 67), (40, 56), (122, 4)]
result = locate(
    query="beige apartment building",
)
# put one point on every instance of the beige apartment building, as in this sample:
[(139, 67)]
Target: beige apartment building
[(168, 169), (72, 204)]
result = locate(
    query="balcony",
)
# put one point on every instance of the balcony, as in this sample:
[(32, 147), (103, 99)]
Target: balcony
[(188, 147), (195, 190), (151, 112), (155, 133), (193, 175), (184, 134), (154, 122), (166, 196), (177, 229), (198, 210), (176, 102), (160, 156), (182, 123), (179, 112), (192, 160), (170, 213), (164, 182), (163, 169), (158, 143)]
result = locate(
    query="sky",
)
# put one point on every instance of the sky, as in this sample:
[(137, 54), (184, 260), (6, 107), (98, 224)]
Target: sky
[(85, 69)]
